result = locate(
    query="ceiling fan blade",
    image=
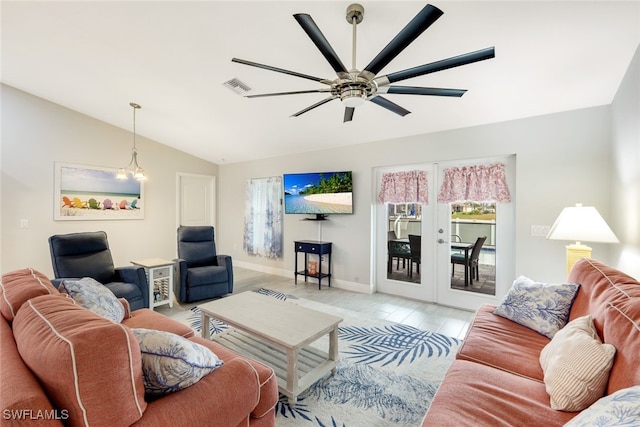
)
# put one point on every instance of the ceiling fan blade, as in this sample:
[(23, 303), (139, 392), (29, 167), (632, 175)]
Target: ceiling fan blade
[(423, 20), (391, 106), (309, 26), (348, 114), (281, 70), (412, 90), (317, 104), (288, 93), (456, 61)]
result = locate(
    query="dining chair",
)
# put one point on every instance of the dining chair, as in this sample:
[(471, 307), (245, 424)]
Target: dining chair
[(470, 263), (415, 244), (456, 239), (397, 250)]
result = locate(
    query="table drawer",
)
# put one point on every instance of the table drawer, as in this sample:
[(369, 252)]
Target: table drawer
[(159, 273), (307, 247)]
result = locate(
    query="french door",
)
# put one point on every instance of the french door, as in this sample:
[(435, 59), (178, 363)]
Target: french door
[(438, 280)]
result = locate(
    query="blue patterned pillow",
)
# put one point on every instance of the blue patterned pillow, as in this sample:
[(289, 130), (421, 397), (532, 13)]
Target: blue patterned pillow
[(621, 408), (171, 362), (539, 306), (94, 296)]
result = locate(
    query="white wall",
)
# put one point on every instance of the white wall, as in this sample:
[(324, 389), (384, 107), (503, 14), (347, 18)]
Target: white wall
[(561, 159), (35, 134), (626, 170)]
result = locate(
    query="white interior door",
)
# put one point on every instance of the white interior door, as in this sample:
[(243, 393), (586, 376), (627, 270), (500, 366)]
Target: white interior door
[(196, 199)]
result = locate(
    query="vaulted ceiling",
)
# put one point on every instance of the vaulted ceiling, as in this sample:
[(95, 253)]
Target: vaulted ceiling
[(173, 58)]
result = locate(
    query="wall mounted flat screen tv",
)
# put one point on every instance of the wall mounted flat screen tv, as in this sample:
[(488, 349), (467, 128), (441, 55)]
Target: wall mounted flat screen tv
[(318, 193)]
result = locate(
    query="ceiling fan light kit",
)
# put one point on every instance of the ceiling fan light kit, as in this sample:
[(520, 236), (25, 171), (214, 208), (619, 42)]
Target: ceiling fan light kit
[(353, 87)]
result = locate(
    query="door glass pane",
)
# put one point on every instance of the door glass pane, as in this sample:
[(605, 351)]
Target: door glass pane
[(403, 220), (473, 247)]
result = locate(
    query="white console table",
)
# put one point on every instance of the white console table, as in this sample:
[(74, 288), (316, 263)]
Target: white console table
[(160, 277)]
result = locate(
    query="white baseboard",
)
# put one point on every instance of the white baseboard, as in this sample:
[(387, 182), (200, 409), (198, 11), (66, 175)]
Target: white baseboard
[(340, 284)]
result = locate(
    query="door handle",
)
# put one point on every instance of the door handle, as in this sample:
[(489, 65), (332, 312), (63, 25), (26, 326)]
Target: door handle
[(441, 241)]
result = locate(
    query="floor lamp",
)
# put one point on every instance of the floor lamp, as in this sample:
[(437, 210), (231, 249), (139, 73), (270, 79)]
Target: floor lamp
[(580, 223)]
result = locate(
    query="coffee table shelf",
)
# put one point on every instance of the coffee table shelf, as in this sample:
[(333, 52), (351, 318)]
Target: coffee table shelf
[(313, 364)]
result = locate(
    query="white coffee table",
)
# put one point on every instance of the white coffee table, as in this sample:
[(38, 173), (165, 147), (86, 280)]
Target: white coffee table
[(277, 333)]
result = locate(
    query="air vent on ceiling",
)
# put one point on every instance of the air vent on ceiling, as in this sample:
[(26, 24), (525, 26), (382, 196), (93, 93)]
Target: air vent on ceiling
[(237, 86)]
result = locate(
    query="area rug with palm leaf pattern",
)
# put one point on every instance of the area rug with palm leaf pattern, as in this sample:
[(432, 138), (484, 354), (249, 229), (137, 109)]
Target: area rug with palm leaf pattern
[(387, 375)]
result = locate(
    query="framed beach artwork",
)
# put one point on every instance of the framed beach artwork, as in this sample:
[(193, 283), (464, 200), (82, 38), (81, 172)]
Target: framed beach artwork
[(93, 193)]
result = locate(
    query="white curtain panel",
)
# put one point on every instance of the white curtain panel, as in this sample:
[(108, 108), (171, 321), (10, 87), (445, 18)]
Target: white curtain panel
[(263, 217)]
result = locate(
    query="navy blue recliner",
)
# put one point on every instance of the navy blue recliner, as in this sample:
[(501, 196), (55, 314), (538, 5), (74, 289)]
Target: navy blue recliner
[(87, 254), (202, 273)]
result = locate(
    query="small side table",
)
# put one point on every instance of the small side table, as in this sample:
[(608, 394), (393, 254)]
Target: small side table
[(160, 277), (312, 247)]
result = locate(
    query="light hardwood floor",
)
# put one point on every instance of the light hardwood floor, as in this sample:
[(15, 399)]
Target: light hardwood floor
[(427, 316)]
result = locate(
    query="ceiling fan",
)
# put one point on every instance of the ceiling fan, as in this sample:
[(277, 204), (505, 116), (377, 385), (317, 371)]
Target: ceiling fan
[(353, 86)]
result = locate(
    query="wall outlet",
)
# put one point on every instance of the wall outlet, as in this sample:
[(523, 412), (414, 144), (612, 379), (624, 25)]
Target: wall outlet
[(540, 230)]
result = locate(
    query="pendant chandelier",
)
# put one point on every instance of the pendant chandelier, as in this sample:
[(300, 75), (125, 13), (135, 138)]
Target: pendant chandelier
[(133, 167)]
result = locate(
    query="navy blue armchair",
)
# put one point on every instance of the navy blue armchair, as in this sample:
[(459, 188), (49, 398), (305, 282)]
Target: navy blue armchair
[(87, 254), (202, 273)]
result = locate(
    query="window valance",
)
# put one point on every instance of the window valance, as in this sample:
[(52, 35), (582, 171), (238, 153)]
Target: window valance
[(404, 187), (477, 183)]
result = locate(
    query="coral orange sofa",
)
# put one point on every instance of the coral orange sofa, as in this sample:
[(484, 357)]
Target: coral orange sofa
[(497, 379), (65, 365)]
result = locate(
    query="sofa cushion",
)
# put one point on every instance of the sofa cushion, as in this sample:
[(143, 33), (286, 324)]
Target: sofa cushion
[(199, 276), (600, 285), (495, 341), (268, 392), (171, 362), (87, 364), (540, 306), (476, 395), (612, 298), (19, 286), (618, 409), (223, 398), (576, 366), (149, 319), (92, 295), (127, 308), (621, 328), (21, 393)]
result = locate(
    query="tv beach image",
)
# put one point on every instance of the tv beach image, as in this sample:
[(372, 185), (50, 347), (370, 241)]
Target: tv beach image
[(94, 193), (318, 193)]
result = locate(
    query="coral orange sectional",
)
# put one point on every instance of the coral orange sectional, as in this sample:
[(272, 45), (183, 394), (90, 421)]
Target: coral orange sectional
[(497, 378)]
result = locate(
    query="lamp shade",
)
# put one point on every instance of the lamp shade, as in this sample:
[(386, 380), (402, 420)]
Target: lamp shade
[(581, 223)]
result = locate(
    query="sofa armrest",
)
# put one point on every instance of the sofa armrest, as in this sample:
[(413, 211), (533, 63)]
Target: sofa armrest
[(225, 260), (225, 397), (22, 394), (138, 277)]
